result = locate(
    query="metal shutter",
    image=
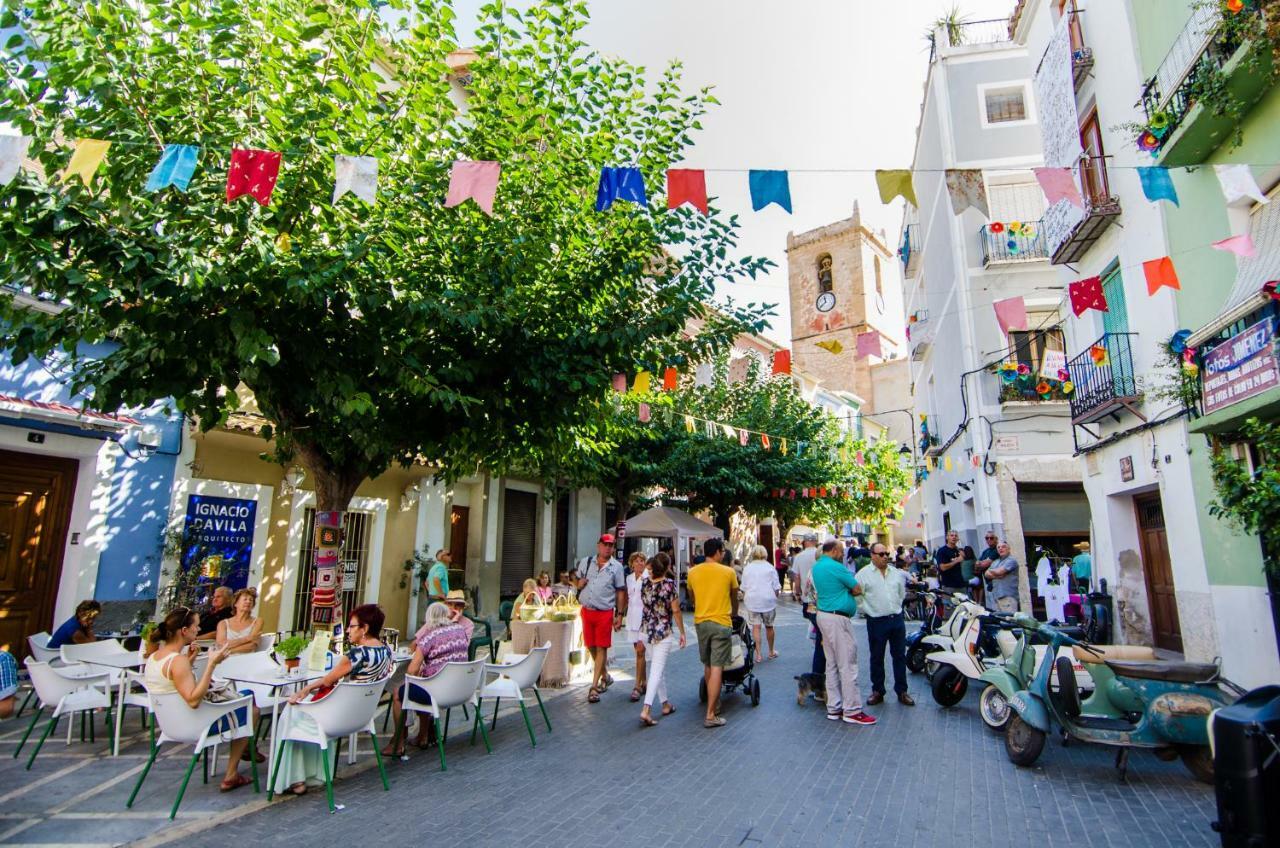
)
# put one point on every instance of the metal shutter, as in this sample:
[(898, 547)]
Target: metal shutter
[(518, 531)]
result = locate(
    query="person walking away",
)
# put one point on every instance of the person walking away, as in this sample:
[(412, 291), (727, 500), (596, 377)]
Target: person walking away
[(437, 582), (602, 591), (713, 589), (884, 588), (1003, 574), (760, 590), (949, 558), (635, 619), (836, 591), (781, 563), (660, 608), (1082, 566), (801, 565)]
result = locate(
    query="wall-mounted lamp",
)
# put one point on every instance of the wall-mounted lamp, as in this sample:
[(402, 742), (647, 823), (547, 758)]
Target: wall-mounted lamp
[(293, 477)]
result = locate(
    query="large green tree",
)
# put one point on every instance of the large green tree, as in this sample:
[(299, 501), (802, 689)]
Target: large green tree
[(369, 334)]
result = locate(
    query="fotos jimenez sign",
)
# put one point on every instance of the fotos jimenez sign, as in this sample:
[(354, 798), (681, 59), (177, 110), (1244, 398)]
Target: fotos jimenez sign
[(1241, 367), (218, 538)]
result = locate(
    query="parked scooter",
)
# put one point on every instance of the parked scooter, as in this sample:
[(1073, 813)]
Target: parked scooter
[(931, 623), (1164, 706)]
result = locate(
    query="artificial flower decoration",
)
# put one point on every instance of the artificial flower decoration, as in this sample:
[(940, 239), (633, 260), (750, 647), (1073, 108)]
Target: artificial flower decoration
[(1234, 6), (1099, 355), (1159, 123), (1068, 387), (1024, 368), (1190, 369), (1189, 355), (1178, 343), (1012, 245), (1028, 231), (1043, 388), (1148, 141), (1064, 375), (997, 227), (1015, 226), (1009, 376)]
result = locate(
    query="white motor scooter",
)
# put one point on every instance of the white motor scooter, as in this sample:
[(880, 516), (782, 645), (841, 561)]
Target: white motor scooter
[(953, 629)]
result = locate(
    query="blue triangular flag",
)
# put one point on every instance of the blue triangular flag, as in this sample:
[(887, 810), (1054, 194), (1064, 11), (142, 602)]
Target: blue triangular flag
[(769, 187), (620, 184), (177, 164), (1157, 184)]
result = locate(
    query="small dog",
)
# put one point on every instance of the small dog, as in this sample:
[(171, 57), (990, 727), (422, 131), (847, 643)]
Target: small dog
[(811, 684)]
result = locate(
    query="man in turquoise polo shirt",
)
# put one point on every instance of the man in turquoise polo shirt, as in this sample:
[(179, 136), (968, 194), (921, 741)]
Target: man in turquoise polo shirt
[(837, 591), (437, 582)]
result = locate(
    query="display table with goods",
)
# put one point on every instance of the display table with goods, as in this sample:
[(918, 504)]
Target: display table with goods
[(558, 623)]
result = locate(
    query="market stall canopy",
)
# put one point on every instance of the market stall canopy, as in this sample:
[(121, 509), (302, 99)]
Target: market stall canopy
[(670, 522)]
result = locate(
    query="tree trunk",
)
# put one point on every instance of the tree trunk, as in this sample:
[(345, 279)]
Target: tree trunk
[(334, 487)]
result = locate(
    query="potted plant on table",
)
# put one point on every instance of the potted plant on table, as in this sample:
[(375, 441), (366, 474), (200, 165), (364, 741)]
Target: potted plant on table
[(291, 650)]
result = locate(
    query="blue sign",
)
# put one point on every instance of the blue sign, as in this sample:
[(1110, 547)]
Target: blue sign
[(219, 538)]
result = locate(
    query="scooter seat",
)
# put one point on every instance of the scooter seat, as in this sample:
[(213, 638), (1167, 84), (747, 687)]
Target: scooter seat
[(1175, 672), (1102, 653)]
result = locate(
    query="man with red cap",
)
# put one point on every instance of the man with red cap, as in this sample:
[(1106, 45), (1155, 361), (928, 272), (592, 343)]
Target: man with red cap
[(602, 591)]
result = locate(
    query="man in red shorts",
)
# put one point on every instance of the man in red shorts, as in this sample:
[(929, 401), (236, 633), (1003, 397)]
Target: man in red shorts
[(602, 591)]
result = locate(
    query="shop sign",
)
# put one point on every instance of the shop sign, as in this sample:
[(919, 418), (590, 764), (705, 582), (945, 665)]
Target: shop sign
[(218, 538), (1006, 444), (1241, 367)]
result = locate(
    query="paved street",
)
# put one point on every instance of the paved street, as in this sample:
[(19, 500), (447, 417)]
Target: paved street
[(776, 775)]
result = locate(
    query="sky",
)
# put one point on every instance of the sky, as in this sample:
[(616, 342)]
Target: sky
[(817, 85)]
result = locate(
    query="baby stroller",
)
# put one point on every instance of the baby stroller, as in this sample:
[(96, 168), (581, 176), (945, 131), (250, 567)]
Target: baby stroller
[(738, 673)]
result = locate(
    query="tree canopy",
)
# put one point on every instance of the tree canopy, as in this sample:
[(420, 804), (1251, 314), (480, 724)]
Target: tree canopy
[(368, 334)]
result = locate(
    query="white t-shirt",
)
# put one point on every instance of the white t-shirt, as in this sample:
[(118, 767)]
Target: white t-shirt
[(760, 586), (635, 601), (802, 564)]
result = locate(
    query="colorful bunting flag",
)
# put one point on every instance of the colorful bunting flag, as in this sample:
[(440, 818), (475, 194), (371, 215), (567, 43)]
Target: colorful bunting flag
[(769, 187), (620, 383), (729, 432), (743, 436), (1059, 184), (1239, 245), (688, 423), (781, 362), (1011, 314), (859, 458), (642, 383), (764, 440), (620, 184), (1160, 273), (670, 380), (1087, 294), (252, 172), (359, 175), (896, 183), (977, 460), (1238, 183), (1157, 184), (176, 167), (832, 346), (85, 159), (967, 190), (644, 413), (946, 462), (13, 149), (869, 344), (476, 181), (687, 186)]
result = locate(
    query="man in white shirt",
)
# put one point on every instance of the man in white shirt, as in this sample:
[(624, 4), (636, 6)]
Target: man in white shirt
[(760, 590), (802, 565), (883, 590)]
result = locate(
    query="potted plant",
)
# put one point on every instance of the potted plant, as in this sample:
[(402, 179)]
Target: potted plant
[(291, 649)]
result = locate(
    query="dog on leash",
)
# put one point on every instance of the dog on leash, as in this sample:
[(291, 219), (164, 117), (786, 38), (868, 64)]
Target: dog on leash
[(811, 684)]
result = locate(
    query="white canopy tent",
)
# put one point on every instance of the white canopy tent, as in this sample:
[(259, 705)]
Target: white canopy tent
[(664, 522)]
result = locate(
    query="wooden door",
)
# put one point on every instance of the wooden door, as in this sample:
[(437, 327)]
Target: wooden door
[(764, 536), (1157, 570), (36, 493), (459, 530), (1093, 168)]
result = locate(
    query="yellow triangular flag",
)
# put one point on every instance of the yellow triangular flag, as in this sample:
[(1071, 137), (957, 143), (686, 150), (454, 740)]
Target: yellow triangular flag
[(946, 463), (833, 346), (642, 382), (85, 160), (896, 183), (284, 243), (844, 454), (783, 447), (688, 423), (928, 462)]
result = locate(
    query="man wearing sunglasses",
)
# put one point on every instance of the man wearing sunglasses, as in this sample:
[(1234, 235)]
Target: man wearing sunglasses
[(883, 590)]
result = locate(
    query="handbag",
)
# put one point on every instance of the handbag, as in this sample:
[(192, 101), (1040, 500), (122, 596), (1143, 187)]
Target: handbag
[(535, 610), (563, 608), (221, 693)]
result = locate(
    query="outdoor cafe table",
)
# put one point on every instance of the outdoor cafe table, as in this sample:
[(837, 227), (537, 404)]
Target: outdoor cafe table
[(121, 664), (276, 681), (564, 636)]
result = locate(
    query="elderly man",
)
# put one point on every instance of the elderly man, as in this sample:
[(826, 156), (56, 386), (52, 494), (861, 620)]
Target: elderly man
[(837, 591), (437, 582), (883, 590), (801, 565), (602, 590), (1003, 575), (220, 609)]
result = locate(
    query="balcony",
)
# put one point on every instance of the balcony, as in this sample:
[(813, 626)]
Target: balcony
[(961, 35), (1026, 371), (909, 250), (1070, 232), (1104, 380), (1208, 50), (1081, 54), (1005, 247)]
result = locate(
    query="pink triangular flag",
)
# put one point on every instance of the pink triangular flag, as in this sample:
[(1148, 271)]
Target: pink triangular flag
[(869, 344), (1058, 184), (644, 413), (1011, 314), (620, 383), (1239, 245), (477, 181)]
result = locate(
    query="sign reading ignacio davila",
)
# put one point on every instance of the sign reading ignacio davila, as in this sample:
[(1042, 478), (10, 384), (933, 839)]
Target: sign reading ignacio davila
[(1241, 367), (219, 531)]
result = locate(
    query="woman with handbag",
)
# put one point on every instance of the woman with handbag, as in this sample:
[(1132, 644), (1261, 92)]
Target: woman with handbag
[(168, 671), (661, 603)]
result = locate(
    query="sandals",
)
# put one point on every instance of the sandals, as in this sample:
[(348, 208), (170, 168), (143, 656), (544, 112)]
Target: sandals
[(299, 788), (668, 709), (238, 781), (714, 722), (647, 721), (636, 694), (593, 696), (773, 655)]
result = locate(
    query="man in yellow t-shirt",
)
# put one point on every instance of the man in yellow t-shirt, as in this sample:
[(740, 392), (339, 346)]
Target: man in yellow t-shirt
[(713, 589)]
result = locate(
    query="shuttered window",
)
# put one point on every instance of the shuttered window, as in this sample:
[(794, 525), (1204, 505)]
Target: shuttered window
[(518, 533)]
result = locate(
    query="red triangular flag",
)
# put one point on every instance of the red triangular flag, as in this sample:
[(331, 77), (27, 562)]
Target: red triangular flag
[(670, 380), (1160, 273), (764, 440), (1087, 294), (686, 186), (252, 172), (782, 362)]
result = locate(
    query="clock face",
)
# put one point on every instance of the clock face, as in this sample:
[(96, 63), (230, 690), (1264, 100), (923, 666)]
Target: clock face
[(826, 302)]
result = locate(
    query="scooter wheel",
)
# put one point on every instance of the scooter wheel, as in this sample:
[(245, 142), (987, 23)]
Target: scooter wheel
[(916, 658), (949, 686), (1199, 761), (993, 706), (1022, 742)]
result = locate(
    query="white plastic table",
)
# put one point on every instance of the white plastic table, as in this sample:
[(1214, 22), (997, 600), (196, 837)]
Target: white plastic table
[(280, 680), (120, 663)]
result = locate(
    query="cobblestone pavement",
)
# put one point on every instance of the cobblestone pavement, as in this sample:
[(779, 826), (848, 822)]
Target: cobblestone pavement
[(775, 775)]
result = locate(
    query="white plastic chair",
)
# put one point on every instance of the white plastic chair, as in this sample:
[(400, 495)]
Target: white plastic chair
[(349, 708), (68, 692), (39, 645), (267, 642), (512, 680), (102, 649), (456, 684), (202, 728)]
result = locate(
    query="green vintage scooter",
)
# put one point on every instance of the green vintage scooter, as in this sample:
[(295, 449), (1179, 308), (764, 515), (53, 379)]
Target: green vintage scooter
[(1164, 706)]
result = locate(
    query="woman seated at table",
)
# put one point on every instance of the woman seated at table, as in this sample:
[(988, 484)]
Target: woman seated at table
[(77, 630), (168, 671), (367, 659), (528, 595), (443, 638), (544, 590), (240, 632)]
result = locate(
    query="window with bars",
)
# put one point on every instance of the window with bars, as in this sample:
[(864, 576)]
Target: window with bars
[(354, 564), (1006, 104)]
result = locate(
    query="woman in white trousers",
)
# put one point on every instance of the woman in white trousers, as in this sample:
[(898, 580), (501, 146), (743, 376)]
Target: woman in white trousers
[(661, 619)]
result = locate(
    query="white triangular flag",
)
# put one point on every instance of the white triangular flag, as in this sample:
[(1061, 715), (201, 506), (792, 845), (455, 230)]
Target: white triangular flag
[(13, 149), (703, 374), (1237, 182), (355, 174)]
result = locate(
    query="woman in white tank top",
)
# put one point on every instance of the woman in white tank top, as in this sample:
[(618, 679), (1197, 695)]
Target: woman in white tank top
[(240, 632)]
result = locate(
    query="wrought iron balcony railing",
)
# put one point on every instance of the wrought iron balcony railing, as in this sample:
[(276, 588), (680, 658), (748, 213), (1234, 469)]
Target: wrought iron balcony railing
[(1029, 372), (1103, 379), (1009, 246)]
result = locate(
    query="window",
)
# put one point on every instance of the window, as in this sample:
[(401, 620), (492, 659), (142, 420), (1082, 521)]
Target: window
[(824, 273), (1015, 201), (1030, 345), (1005, 104), (1116, 318)]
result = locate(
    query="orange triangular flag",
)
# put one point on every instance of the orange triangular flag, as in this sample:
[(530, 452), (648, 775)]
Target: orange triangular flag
[(670, 379), (1160, 273)]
